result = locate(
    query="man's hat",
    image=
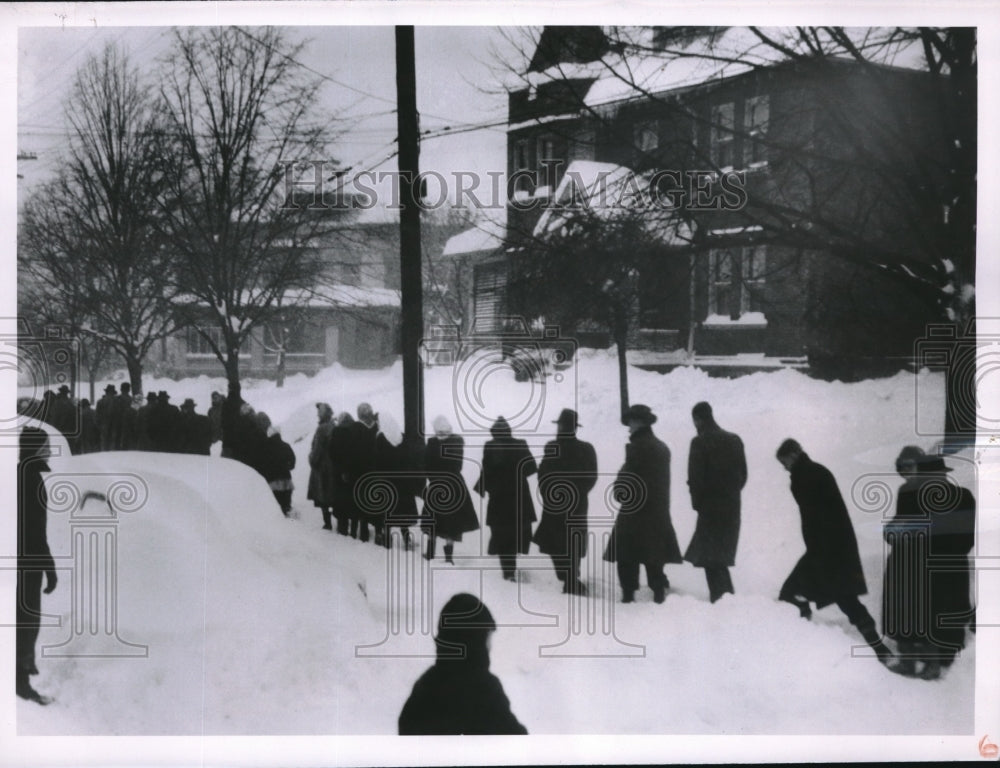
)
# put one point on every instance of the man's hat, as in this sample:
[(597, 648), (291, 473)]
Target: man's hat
[(568, 418), (163, 395), (933, 464), (640, 413), (64, 390), (188, 403), (110, 389), (150, 396)]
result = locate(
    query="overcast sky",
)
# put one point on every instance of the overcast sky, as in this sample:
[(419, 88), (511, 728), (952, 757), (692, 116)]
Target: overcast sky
[(458, 84)]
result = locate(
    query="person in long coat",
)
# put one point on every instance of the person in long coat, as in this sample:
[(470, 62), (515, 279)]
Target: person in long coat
[(359, 461), (448, 511), (104, 410), (830, 571), (459, 695), (925, 598), (507, 465), (341, 450), (566, 474), (643, 532), (276, 462), (194, 430), (320, 490), (215, 416), (64, 418), (34, 558), (143, 440), (399, 462), (717, 472)]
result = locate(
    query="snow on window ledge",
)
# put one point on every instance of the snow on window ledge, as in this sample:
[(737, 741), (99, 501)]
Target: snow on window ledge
[(747, 319)]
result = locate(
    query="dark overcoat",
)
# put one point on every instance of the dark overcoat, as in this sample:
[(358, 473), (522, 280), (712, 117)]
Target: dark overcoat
[(320, 491), (360, 460), (566, 475), (342, 468), (405, 478), (448, 510), (717, 472), (831, 567), (33, 557), (925, 592), (643, 531), (454, 698), (507, 464)]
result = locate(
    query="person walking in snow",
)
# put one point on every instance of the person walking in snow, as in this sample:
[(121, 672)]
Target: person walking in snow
[(507, 465), (104, 411), (459, 695), (277, 460), (830, 570), (320, 491), (717, 472), (34, 559), (925, 592), (643, 532), (361, 461), (398, 465), (341, 450), (566, 475), (448, 511)]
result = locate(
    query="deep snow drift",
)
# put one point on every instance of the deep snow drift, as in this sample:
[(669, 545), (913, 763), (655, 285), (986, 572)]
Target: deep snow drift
[(258, 624)]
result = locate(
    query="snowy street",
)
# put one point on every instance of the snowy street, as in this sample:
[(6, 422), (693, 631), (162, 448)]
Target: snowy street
[(255, 623)]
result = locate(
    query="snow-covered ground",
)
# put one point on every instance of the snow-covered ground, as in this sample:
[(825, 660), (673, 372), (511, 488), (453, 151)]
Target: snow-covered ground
[(258, 624)]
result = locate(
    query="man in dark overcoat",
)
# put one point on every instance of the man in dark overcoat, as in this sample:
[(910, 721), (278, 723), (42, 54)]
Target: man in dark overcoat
[(194, 429), (830, 570), (717, 472), (64, 418), (34, 558), (124, 419), (459, 695), (143, 440), (215, 416), (320, 489), (566, 475), (925, 598), (507, 465), (104, 410), (342, 466), (643, 532), (360, 460)]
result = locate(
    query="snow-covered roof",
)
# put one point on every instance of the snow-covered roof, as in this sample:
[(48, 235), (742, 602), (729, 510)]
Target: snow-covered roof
[(330, 295), (487, 236), (641, 70), (607, 190)]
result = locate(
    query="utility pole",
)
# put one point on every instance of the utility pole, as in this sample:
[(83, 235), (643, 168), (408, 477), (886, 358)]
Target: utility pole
[(411, 281)]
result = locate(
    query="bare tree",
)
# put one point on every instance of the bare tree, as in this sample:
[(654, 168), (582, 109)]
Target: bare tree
[(89, 237), (240, 111)]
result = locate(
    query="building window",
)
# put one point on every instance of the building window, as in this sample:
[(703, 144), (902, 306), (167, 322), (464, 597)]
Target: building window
[(547, 163), (756, 115), (646, 139), (720, 282), (197, 344), (299, 337), (489, 296), (723, 136), (522, 167), (736, 277)]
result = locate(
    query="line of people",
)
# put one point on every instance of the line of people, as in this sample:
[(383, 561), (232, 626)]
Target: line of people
[(931, 535), (121, 421)]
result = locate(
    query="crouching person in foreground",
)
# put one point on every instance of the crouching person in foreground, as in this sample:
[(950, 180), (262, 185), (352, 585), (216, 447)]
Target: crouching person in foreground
[(830, 570), (459, 695)]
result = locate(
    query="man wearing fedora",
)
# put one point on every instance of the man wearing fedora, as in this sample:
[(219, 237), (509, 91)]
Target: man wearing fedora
[(104, 411), (566, 475), (643, 532), (717, 472), (925, 597)]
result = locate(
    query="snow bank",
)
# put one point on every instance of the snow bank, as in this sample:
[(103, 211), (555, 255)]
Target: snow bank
[(260, 624)]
